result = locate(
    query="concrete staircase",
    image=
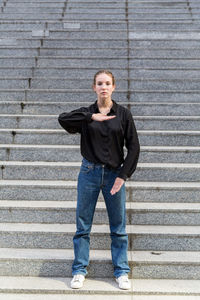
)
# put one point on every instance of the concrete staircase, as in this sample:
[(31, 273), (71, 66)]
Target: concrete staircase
[(49, 52)]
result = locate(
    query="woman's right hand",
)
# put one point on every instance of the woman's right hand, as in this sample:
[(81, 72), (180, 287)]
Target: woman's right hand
[(100, 117)]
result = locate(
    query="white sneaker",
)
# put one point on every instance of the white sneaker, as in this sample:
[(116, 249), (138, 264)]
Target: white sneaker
[(77, 281), (123, 282)]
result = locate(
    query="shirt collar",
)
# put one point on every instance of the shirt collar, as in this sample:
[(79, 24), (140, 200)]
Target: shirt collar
[(113, 108)]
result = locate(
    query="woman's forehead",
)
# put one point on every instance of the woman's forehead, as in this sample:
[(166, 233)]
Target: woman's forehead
[(103, 77)]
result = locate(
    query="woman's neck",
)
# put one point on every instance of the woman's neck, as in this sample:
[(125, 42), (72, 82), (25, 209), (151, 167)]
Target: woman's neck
[(105, 103)]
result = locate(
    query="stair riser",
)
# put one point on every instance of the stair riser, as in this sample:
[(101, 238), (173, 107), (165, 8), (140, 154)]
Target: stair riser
[(78, 62), (52, 268), (33, 10), (134, 53), (141, 217), (66, 139), (100, 241), (74, 155), (88, 95), (54, 193), (18, 52), (81, 73), (28, 17), (69, 84), (71, 173), (85, 43), (17, 62), (52, 123)]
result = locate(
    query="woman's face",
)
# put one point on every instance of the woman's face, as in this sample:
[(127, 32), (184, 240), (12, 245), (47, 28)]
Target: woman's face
[(104, 86)]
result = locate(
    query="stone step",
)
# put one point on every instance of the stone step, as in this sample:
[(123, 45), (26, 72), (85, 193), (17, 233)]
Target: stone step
[(132, 9), (162, 63), (87, 43), (67, 83), (64, 190), (134, 53), (35, 97), (144, 43), (142, 110), (165, 26), (22, 170), (162, 74), (87, 52), (90, 16), (18, 52), (30, 16), (10, 152), (53, 61), (167, 53), (36, 1), (74, 72), (17, 61), (138, 84), (134, 73), (57, 288), (146, 213), (27, 43), (60, 236), (14, 83), (89, 34), (60, 137), (34, 4), (192, 35), (19, 73), (22, 34), (132, 16), (165, 84), (15, 9), (142, 122), (57, 262)]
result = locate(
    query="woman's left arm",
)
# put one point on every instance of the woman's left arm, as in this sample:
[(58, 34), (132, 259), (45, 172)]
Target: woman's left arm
[(133, 150)]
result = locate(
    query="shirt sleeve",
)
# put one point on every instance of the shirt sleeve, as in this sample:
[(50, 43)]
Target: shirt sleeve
[(72, 121), (133, 148)]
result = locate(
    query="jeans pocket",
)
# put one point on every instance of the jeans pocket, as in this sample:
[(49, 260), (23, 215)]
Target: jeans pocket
[(86, 168)]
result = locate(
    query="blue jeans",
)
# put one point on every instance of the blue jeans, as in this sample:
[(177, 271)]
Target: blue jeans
[(92, 178)]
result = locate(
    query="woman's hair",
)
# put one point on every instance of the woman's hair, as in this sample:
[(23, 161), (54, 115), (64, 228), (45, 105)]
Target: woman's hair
[(104, 72)]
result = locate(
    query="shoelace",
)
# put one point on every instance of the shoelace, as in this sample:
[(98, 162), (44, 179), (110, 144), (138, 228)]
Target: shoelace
[(77, 277), (124, 279)]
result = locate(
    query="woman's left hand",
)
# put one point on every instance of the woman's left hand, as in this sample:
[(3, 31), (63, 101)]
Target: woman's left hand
[(117, 185)]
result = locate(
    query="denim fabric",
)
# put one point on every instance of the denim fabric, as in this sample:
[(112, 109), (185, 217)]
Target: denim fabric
[(93, 178)]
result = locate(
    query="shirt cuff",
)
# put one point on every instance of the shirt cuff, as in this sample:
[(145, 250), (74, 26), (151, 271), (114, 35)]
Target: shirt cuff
[(89, 117), (123, 176)]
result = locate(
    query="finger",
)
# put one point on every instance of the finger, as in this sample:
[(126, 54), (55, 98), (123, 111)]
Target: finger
[(115, 189)]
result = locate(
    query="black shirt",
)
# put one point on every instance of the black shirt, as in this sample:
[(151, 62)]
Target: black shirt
[(103, 142)]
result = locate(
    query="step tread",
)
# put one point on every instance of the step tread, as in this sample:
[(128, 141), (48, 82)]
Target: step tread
[(95, 285), (188, 118), (101, 229), (132, 184), (176, 257), (143, 148), (172, 132), (136, 206), (78, 164)]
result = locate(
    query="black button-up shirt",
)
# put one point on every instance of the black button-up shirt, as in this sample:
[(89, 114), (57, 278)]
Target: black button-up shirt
[(103, 142)]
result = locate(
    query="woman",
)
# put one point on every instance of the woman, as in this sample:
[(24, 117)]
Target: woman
[(104, 127)]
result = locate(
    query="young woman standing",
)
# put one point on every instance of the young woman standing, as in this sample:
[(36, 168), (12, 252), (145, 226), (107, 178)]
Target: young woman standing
[(105, 127)]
